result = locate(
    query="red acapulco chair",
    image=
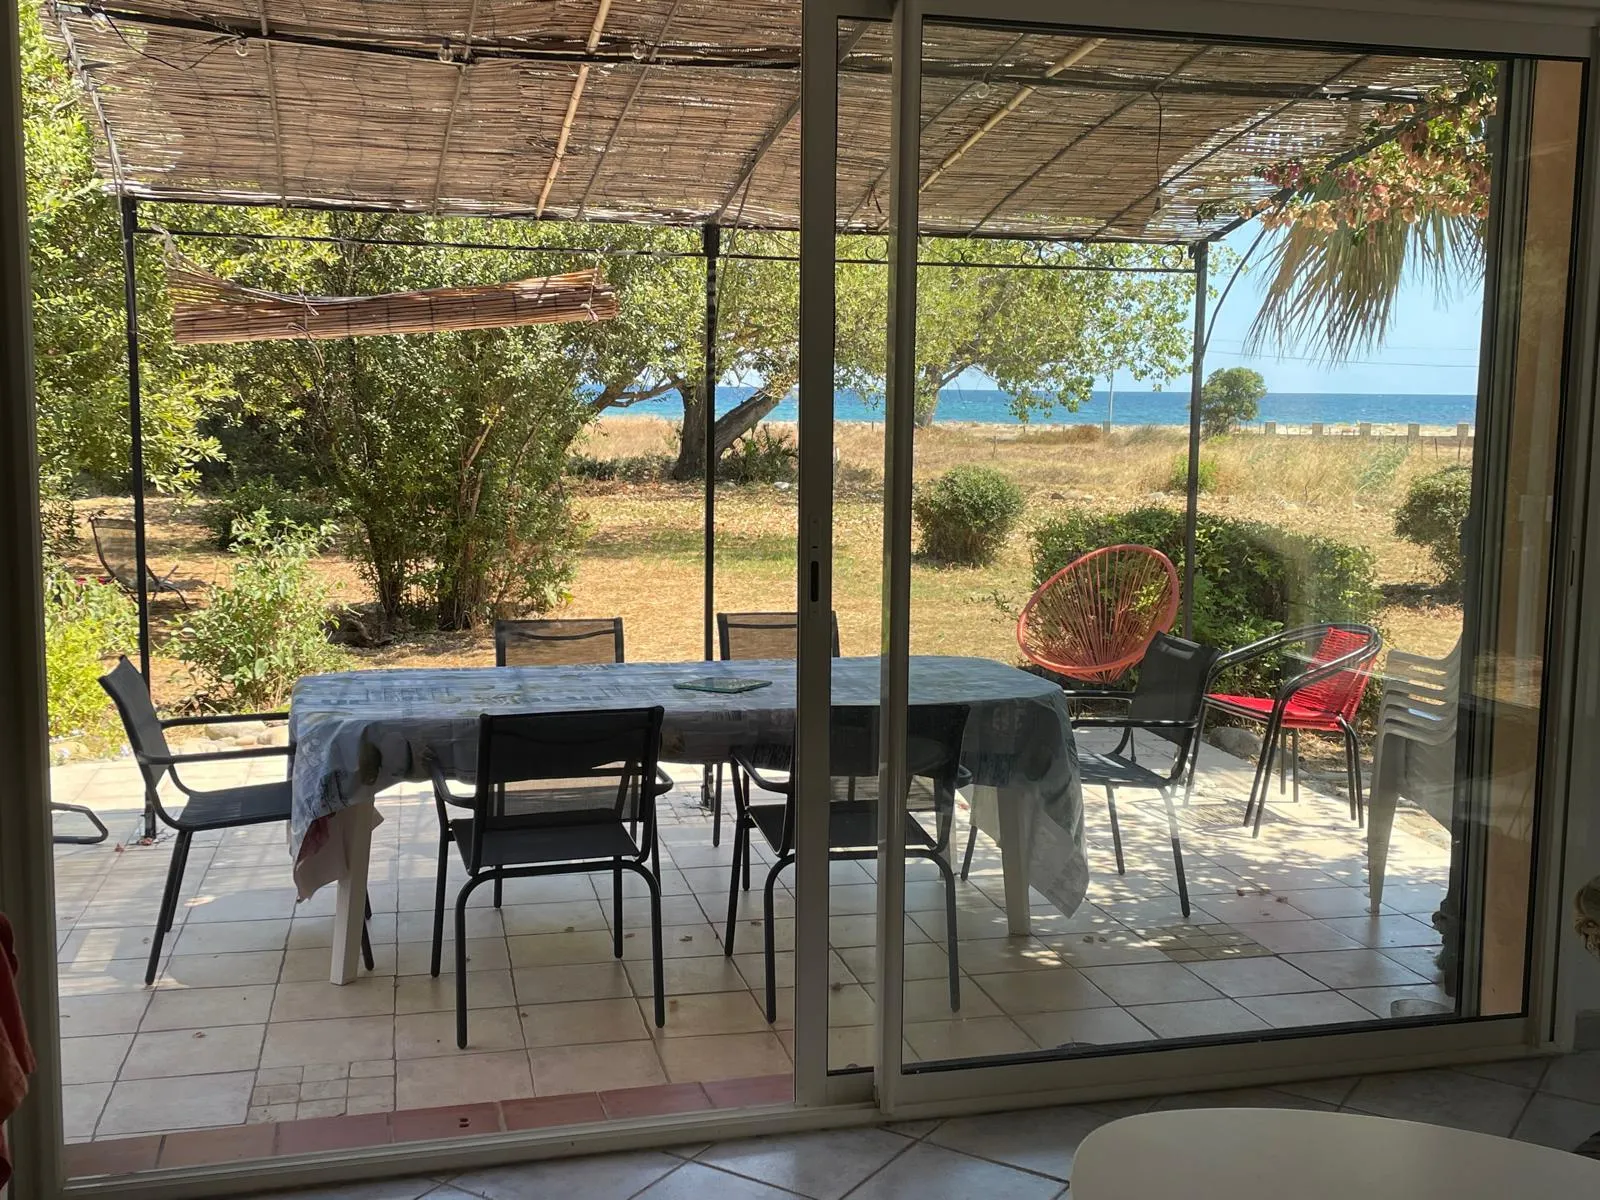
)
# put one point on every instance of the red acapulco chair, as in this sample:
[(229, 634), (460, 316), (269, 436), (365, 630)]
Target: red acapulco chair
[(1323, 698), (1096, 617)]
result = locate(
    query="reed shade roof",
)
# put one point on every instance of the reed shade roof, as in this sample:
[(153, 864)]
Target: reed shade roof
[(206, 308), (686, 112)]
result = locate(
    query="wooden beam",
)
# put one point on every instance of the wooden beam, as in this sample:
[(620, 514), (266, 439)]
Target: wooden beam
[(461, 65), (272, 101), (595, 31)]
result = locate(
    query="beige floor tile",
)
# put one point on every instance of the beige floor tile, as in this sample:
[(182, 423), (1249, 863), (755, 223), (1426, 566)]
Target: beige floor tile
[(1380, 1000), (991, 956), (231, 937), (90, 945), (201, 1008), (219, 901), (183, 1102), (710, 1013), (850, 1047), (580, 981), (83, 1016), (424, 993), (1331, 902), (1197, 1018), (102, 977), (677, 941), (418, 926), (687, 976), (194, 1052), (1354, 969), (1296, 937), (571, 916), (1254, 976), (723, 1056), (582, 1022), (95, 1059), (1305, 1008), (753, 967), (1061, 990), (1089, 1026), (250, 969), (343, 1040), (558, 1070), (462, 1079), (1119, 948), (1254, 909), (81, 1104), (848, 1004), (483, 954), (559, 949), (978, 1037), (425, 1035), (1149, 983), (364, 996), (1384, 932)]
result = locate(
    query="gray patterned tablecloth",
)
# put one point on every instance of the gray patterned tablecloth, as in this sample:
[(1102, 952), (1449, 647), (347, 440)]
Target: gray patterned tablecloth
[(359, 732)]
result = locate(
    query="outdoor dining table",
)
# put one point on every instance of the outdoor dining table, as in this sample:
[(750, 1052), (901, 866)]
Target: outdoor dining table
[(357, 733)]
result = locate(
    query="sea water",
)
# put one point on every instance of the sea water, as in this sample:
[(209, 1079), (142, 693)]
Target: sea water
[(993, 407)]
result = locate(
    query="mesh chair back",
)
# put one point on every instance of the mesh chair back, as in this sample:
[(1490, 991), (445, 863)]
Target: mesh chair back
[(114, 547), (1172, 685), (589, 766), (763, 634), (128, 692), (558, 643), (1094, 618), (1340, 694)]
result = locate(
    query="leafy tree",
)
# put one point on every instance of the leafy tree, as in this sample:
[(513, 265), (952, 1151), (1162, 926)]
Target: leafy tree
[(1230, 395), (1350, 232), (78, 315), (1042, 335)]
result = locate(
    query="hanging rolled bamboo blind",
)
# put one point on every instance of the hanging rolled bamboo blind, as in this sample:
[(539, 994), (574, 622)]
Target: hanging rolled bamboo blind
[(206, 308)]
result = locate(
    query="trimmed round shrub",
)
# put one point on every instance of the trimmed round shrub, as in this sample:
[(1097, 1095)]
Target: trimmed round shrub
[(1178, 474), (966, 515), (1251, 580), (1432, 516)]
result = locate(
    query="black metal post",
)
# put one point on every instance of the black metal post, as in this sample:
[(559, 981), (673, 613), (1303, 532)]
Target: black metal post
[(1201, 252), (130, 296), (711, 241)]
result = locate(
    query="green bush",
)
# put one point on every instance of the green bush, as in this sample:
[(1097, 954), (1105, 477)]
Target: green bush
[(296, 506), (634, 468), (760, 456), (966, 514), (1251, 580), (1178, 474), (1432, 514), (1229, 396), (85, 623), (268, 627)]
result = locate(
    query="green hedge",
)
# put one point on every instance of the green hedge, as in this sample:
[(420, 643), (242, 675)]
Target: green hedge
[(1251, 579)]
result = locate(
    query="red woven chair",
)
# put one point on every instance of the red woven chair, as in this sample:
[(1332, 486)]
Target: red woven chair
[(1322, 699), (1095, 618)]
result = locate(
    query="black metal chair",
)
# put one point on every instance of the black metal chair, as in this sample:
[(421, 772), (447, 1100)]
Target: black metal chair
[(933, 753), (217, 808), (558, 642), (1167, 701), (592, 765), (116, 548), (770, 635)]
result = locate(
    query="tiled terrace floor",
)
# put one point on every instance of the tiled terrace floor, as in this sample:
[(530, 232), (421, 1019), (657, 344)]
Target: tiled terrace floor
[(1018, 1156), (243, 1028)]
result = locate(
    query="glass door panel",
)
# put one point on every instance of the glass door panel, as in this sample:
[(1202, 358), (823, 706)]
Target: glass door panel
[(1090, 885)]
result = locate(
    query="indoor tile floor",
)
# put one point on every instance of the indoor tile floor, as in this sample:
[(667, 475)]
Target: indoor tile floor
[(1017, 1155), (243, 1028)]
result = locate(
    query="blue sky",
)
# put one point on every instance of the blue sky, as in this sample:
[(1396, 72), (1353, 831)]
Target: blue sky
[(1431, 349)]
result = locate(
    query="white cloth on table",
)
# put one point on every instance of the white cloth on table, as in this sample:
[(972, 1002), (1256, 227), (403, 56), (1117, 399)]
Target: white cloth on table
[(357, 733)]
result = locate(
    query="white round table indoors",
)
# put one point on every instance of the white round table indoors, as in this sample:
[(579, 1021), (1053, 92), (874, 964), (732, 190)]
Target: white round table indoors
[(1274, 1154)]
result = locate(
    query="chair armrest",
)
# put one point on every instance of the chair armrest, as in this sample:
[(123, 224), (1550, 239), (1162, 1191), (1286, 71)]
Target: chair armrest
[(169, 760), (1097, 694), (767, 783), (223, 719), (1350, 660)]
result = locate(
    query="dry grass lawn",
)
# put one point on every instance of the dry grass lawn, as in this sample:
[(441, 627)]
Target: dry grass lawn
[(643, 557)]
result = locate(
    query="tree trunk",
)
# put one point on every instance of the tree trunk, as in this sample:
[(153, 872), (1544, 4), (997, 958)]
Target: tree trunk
[(731, 426)]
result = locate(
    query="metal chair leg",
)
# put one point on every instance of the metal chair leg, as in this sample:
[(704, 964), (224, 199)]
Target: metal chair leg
[(656, 964), (75, 839), (966, 859), (952, 934), (1194, 757), (169, 903), (461, 957), (1177, 851), (716, 808), (616, 908), (771, 941), (1294, 759), (497, 892), (1263, 776), (1275, 747), (1352, 761), (1116, 830), (366, 938), (740, 833), (438, 905)]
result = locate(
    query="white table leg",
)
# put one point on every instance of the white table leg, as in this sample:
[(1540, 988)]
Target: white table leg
[(1014, 864), (352, 902)]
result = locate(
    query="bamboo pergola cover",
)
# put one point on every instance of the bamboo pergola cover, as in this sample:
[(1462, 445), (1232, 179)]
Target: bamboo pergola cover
[(206, 308), (686, 112)]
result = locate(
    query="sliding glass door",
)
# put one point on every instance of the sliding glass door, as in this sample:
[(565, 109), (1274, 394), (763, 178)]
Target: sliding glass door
[(1346, 871)]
